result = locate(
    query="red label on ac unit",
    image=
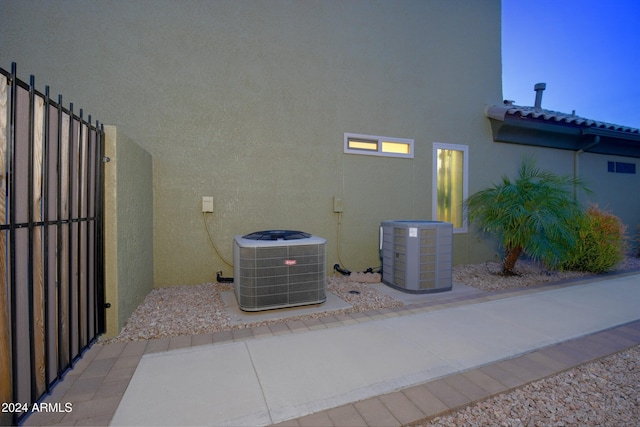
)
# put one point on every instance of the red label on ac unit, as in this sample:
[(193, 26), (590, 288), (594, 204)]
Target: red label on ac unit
[(290, 262)]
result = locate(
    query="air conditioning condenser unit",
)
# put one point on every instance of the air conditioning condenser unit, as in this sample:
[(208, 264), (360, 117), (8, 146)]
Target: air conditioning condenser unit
[(417, 256), (278, 269)]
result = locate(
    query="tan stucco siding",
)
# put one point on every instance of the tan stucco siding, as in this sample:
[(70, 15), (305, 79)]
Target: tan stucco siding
[(248, 101)]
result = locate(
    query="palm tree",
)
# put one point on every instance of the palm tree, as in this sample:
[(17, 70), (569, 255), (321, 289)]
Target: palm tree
[(529, 214)]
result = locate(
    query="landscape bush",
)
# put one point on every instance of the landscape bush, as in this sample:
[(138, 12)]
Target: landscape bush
[(530, 214), (599, 244)]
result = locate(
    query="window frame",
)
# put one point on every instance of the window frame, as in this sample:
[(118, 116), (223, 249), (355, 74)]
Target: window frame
[(465, 181), (621, 167), (379, 142)]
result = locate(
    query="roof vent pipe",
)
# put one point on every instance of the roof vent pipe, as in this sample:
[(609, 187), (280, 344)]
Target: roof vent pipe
[(539, 88)]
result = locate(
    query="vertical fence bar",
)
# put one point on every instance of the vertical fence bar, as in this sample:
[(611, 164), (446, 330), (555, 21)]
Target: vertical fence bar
[(12, 232), (64, 256), (75, 230), (70, 272), (85, 226), (99, 201), (80, 227), (5, 324), (30, 281), (88, 243), (46, 238), (59, 259)]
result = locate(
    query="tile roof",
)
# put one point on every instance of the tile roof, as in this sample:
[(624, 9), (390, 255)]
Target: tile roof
[(500, 111)]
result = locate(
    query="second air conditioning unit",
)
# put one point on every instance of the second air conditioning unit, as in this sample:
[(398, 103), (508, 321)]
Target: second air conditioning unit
[(417, 256), (278, 269)]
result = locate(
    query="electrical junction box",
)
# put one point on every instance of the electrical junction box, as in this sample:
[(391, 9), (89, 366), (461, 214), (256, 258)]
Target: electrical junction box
[(207, 204), (338, 204)]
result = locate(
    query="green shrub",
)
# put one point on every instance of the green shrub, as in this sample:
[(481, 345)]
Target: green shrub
[(530, 214), (600, 242)]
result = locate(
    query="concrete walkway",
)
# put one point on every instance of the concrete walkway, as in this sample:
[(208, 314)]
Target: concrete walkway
[(389, 367)]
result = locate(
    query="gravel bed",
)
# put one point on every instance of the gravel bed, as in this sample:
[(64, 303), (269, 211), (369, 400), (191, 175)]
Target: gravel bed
[(488, 277), (602, 393), (199, 309)]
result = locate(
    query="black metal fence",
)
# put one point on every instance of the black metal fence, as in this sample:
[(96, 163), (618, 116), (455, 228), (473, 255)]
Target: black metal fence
[(51, 239)]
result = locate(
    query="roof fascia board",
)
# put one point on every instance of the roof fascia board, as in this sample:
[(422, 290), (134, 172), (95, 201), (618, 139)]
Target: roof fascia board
[(515, 130), (526, 130), (611, 133)]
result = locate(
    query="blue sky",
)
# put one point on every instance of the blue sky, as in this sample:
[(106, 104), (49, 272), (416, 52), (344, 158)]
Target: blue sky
[(586, 51)]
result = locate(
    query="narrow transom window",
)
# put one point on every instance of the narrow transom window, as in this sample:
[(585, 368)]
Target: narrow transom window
[(450, 184), (378, 145), (621, 167)]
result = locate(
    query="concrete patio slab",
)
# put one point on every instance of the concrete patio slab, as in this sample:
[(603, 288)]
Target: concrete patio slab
[(466, 336), (569, 312), (194, 386), (237, 316), (334, 366), (457, 290)]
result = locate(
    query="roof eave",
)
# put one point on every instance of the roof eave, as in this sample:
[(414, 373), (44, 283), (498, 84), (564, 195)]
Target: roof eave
[(518, 129)]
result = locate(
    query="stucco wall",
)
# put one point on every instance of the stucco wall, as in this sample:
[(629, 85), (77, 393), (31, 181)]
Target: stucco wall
[(128, 227), (614, 192), (248, 101)]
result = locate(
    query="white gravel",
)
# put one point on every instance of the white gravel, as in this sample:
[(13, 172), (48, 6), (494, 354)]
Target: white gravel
[(488, 277), (199, 309), (602, 393)]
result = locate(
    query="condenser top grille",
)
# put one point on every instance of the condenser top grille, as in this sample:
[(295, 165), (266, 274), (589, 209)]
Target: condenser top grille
[(277, 235)]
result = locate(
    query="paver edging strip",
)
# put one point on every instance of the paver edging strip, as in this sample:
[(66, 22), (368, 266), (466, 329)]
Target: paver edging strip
[(511, 389)]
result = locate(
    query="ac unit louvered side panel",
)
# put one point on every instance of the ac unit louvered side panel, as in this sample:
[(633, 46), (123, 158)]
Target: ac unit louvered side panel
[(400, 256), (417, 255), (281, 276), (387, 251)]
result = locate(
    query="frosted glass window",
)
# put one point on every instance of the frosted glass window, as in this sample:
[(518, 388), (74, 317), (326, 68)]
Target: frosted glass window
[(396, 147), (450, 178), (357, 144)]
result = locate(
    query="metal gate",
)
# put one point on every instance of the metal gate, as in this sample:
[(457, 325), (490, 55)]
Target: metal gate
[(51, 232)]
